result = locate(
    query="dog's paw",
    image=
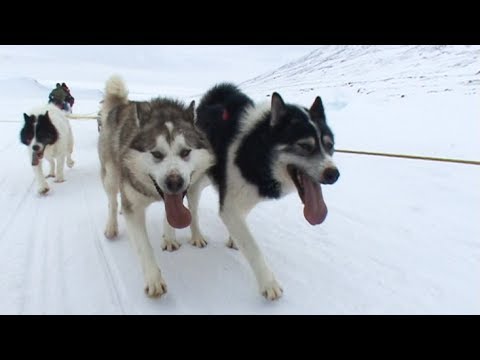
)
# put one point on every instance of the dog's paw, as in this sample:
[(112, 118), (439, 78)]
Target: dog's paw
[(170, 245), (70, 163), (51, 175), (42, 190), (111, 231), (271, 290), (155, 286), (198, 241), (231, 244), (59, 180)]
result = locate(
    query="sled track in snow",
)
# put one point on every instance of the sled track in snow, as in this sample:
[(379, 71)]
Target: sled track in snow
[(107, 266), (14, 213)]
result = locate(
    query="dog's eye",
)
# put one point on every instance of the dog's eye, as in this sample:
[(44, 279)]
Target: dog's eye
[(307, 147), (184, 153), (157, 155), (328, 146)]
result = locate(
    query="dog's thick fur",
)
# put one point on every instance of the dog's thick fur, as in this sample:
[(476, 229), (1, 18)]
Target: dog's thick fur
[(264, 152), (151, 151), (47, 133)]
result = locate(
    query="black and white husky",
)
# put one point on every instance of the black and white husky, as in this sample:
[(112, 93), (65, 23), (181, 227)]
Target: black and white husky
[(47, 133), (265, 152), (151, 151)]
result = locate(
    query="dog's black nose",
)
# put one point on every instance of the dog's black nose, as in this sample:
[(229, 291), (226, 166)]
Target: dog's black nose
[(35, 147), (330, 175), (174, 182)]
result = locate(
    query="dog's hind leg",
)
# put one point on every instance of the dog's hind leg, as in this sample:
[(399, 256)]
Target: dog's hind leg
[(137, 232), (110, 184), (237, 226), (193, 196), (169, 240), (60, 166), (42, 185), (70, 161)]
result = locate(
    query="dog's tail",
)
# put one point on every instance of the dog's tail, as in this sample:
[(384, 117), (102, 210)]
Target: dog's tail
[(116, 93)]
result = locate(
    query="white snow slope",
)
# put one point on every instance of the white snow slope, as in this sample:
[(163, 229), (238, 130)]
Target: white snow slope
[(401, 236)]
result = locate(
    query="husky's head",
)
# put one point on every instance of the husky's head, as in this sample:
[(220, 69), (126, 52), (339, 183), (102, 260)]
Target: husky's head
[(304, 150), (170, 155), (37, 133)]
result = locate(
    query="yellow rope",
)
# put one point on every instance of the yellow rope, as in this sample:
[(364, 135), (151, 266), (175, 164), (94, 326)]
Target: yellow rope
[(428, 158), (78, 117)]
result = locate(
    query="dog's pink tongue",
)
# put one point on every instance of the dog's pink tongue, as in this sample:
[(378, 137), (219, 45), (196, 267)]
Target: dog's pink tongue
[(178, 215), (315, 209), (35, 159)]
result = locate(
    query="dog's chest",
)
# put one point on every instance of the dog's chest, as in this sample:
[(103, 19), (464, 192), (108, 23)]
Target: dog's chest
[(51, 151)]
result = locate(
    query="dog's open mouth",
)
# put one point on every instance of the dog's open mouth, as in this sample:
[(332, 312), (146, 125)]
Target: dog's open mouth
[(36, 157), (178, 216), (310, 192)]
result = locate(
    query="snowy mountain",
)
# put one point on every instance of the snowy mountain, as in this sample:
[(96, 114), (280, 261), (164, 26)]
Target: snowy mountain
[(375, 69)]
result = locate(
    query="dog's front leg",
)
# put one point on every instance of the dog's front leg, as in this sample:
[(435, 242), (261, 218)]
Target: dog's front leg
[(237, 226), (193, 196), (137, 232), (42, 184), (51, 173)]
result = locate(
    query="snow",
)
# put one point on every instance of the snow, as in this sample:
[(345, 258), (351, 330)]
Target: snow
[(401, 237)]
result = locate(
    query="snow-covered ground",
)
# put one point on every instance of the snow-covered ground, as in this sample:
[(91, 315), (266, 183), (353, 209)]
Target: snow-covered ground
[(402, 236)]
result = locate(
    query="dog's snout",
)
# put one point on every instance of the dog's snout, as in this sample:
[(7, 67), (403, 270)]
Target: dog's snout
[(174, 182), (330, 175), (36, 147)]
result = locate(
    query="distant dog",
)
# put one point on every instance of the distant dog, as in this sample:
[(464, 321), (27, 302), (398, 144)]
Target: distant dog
[(150, 151), (47, 133), (265, 152)]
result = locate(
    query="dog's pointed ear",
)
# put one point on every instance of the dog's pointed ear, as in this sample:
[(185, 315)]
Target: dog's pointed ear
[(317, 110), (278, 109), (191, 111), (49, 130), (26, 134), (43, 118), (143, 111)]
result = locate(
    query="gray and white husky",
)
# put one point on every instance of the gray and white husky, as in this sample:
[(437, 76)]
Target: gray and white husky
[(264, 152), (150, 151)]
